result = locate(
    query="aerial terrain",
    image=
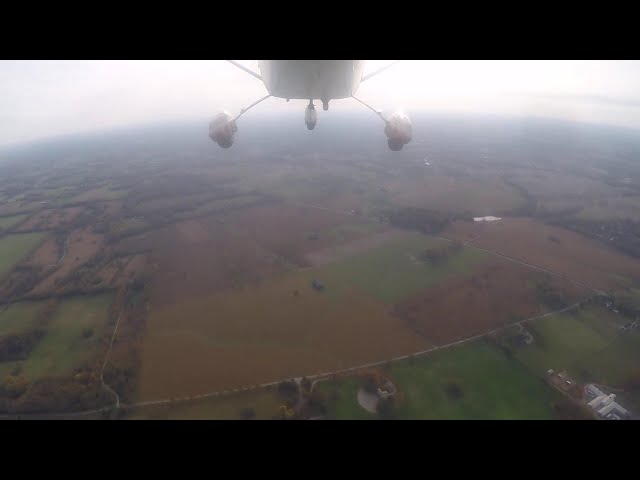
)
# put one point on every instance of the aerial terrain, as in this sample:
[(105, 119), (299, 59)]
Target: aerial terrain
[(147, 273)]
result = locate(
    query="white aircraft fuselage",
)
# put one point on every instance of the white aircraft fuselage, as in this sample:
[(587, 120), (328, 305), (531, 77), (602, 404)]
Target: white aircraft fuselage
[(323, 80), (311, 79)]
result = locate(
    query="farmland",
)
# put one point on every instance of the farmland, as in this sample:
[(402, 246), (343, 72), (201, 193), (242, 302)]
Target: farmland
[(14, 248), (552, 248), (293, 257), (259, 405), (17, 317), (233, 339), (393, 271), (586, 343), (7, 222), (496, 293), (488, 385), (73, 337)]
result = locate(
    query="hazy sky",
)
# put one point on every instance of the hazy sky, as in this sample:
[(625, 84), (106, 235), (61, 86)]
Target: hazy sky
[(48, 98)]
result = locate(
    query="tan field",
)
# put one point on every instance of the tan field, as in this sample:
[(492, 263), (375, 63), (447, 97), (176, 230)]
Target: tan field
[(553, 248), (263, 334), (454, 194), (497, 293), (50, 219)]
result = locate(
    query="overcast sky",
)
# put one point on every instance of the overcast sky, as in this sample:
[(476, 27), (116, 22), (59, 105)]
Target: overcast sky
[(49, 98)]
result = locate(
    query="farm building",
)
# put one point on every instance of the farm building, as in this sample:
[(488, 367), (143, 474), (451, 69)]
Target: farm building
[(605, 405), (317, 285)]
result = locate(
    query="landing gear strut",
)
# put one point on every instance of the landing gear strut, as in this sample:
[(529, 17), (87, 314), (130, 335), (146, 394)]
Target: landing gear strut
[(310, 115)]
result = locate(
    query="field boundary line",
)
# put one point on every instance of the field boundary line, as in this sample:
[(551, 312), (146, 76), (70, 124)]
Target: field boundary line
[(469, 244), (106, 360), (316, 378), (525, 264)]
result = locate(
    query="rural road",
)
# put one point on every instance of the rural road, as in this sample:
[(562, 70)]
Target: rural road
[(320, 376), (316, 378)]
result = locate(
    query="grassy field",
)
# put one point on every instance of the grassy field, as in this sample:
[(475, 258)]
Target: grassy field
[(59, 191), (393, 272), (348, 231), (566, 341), (8, 222), (67, 343), (264, 403), (282, 327), (97, 194), (18, 317), (15, 247), (342, 403), (614, 364), (129, 226), (490, 386)]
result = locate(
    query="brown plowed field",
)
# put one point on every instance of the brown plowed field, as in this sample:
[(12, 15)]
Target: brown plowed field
[(497, 293), (553, 248)]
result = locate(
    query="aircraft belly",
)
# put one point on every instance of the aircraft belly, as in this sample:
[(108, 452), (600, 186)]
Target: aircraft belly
[(311, 79)]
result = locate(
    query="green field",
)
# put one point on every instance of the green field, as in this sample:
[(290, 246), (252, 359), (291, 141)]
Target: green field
[(99, 194), (14, 248), (8, 222), (342, 400), (59, 191), (357, 229), (19, 317), (492, 387), (129, 226), (614, 364), (264, 403), (218, 205), (566, 341), (393, 272), (64, 347)]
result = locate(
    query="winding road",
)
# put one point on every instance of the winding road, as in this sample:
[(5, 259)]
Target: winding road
[(317, 377)]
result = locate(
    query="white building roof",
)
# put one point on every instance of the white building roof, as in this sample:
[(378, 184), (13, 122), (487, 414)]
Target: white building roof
[(597, 402), (595, 391)]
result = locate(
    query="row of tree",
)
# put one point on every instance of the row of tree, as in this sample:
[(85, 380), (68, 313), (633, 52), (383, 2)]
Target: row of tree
[(421, 219), (439, 255)]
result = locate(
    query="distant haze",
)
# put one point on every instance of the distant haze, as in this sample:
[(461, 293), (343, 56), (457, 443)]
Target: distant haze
[(49, 98)]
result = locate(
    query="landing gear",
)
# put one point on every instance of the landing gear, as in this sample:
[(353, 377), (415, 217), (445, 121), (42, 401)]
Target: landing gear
[(325, 105), (310, 115)]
